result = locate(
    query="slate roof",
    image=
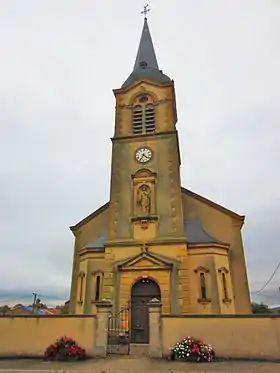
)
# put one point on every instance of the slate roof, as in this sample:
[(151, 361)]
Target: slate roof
[(196, 234), (99, 242), (146, 65), (193, 229)]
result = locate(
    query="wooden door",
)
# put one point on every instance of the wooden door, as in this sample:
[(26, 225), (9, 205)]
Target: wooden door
[(142, 292), (139, 320)]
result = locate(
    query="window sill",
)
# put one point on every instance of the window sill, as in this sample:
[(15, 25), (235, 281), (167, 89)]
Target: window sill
[(227, 300), (204, 301)]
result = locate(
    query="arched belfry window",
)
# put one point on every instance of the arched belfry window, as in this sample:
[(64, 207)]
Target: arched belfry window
[(143, 121)]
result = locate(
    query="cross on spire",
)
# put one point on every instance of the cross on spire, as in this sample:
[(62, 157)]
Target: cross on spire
[(146, 10)]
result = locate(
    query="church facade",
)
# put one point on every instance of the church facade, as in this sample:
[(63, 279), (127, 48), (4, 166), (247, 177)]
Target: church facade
[(154, 238)]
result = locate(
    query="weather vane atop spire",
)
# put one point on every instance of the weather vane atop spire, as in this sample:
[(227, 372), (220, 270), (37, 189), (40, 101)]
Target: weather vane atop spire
[(146, 10)]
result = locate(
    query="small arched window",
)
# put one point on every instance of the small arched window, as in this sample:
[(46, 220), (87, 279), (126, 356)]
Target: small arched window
[(224, 283), (203, 290), (143, 121), (97, 281), (203, 283), (81, 277), (97, 287)]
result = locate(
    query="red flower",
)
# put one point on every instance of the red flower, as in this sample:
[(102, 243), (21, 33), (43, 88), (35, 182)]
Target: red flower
[(64, 347)]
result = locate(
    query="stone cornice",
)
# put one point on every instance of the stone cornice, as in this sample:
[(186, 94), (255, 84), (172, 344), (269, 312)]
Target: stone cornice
[(143, 81), (158, 241), (201, 249), (141, 137)]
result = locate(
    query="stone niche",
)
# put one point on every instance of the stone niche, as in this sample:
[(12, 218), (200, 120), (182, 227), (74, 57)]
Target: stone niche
[(144, 218)]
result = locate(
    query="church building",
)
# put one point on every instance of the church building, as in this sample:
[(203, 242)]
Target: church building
[(154, 238)]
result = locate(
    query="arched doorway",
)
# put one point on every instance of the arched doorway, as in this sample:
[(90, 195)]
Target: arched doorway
[(142, 292)]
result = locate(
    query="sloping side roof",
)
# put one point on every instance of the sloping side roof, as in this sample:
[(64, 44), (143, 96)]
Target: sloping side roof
[(197, 235), (213, 204), (99, 242)]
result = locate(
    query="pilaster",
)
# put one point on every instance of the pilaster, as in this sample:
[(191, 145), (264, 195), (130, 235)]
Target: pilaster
[(104, 308), (155, 345)]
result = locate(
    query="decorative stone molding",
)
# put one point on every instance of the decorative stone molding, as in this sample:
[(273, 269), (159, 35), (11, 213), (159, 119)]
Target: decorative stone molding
[(154, 303), (104, 303), (144, 190), (201, 269), (223, 269), (204, 301), (144, 173), (227, 300), (97, 272), (144, 221)]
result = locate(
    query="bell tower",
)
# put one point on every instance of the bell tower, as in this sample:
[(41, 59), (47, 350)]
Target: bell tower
[(145, 195)]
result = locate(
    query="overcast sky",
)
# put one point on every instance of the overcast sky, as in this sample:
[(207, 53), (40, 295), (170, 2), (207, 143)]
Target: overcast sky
[(60, 60)]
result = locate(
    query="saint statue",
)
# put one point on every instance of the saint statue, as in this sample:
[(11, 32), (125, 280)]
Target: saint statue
[(144, 199)]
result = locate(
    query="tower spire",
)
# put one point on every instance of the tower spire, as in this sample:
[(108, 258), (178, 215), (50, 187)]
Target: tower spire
[(146, 56), (146, 65)]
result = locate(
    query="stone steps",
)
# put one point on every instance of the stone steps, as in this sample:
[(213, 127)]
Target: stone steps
[(139, 349)]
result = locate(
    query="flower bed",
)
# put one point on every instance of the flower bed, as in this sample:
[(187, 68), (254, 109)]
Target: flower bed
[(192, 349), (65, 349)]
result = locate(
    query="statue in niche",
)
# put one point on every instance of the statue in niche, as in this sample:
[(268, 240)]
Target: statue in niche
[(144, 199)]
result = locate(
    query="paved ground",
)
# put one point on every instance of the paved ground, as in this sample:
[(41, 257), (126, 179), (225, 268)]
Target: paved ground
[(136, 365)]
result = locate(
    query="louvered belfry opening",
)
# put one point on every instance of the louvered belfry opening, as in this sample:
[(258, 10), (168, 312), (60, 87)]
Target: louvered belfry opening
[(150, 125), (137, 120), (143, 116)]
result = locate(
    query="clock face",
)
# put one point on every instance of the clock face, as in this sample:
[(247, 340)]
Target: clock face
[(143, 155)]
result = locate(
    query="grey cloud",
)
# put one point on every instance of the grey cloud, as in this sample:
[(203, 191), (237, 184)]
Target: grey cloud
[(60, 62)]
